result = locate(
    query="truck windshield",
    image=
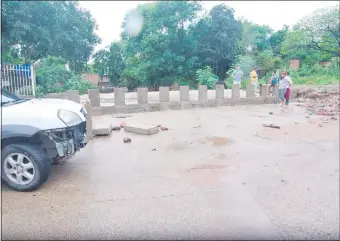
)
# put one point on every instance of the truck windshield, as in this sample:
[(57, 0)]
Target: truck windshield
[(10, 98)]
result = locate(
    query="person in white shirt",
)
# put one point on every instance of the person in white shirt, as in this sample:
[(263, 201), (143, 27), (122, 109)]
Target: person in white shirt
[(285, 85)]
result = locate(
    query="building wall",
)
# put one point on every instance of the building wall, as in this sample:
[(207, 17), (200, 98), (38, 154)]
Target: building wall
[(95, 78), (294, 64)]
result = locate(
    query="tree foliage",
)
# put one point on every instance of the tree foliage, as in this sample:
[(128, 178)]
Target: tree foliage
[(53, 76), (163, 51), (206, 77), (255, 38), (162, 43), (36, 29), (219, 38), (110, 62), (316, 35)]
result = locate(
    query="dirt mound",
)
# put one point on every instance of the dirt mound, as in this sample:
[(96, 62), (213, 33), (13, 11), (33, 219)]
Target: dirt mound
[(319, 100)]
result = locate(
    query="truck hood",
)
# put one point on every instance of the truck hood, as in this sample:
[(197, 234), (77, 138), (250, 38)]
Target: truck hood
[(41, 113)]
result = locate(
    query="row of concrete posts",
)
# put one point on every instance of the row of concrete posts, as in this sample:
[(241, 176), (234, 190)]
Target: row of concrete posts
[(142, 94)]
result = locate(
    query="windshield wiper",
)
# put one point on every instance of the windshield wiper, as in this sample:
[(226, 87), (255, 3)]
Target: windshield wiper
[(14, 101)]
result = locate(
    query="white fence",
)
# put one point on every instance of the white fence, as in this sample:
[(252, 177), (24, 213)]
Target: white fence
[(19, 79)]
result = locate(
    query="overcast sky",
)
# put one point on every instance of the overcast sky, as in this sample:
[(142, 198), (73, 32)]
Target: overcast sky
[(109, 15)]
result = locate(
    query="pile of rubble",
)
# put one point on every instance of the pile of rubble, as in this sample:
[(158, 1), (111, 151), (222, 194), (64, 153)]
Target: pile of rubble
[(322, 100)]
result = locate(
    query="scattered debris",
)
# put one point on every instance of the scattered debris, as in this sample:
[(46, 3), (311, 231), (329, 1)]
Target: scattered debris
[(164, 128), (127, 139), (334, 118), (153, 150), (263, 137), (320, 125), (321, 100), (121, 116), (116, 128), (270, 113), (283, 180), (159, 126), (142, 129), (271, 126), (196, 126), (102, 130)]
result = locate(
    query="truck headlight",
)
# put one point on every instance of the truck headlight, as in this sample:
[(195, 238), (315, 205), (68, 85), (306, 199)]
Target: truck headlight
[(70, 118)]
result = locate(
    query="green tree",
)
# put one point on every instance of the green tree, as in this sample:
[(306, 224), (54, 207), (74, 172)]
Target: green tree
[(218, 36), (110, 62), (255, 38), (316, 37), (267, 61), (53, 76), (276, 39), (163, 51), (206, 77), (36, 29)]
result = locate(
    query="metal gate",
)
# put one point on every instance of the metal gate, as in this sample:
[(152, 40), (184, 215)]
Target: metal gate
[(19, 79)]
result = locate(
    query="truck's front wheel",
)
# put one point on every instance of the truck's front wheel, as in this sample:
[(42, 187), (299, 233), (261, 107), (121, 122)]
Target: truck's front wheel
[(24, 167)]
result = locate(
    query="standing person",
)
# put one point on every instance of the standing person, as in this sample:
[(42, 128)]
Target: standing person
[(284, 85), (254, 78), (288, 88), (237, 75), (274, 80)]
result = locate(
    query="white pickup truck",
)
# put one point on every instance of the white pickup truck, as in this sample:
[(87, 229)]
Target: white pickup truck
[(35, 134)]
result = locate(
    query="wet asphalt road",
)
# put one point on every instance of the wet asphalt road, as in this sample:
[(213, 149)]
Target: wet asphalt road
[(215, 174)]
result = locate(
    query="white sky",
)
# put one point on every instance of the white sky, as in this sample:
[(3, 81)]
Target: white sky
[(109, 15)]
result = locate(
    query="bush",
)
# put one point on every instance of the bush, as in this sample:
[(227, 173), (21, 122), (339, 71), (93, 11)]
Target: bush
[(316, 74), (53, 77), (206, 77), (77, 83)]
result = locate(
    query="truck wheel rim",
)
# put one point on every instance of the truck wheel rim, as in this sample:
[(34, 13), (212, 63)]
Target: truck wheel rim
[(19, 169)]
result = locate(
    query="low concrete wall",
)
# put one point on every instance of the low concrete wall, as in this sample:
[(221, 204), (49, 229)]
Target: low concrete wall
[(165, 104), (152, 107)]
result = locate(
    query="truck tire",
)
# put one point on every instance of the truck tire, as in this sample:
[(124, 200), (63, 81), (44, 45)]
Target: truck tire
[(24, 167)]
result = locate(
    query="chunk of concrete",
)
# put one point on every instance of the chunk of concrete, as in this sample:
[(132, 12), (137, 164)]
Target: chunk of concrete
[(102, 130), (142, 129)]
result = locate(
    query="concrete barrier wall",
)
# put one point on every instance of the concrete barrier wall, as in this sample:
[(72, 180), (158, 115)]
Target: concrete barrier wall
[(164, 97)]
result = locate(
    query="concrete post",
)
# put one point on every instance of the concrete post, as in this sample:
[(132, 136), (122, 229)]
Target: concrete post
[(89, 127), (119, 94), (73, 95), (184, 93), (220, 92), (94, 97), (203, 93), (164, 94), (250, 90), (235, 91), (142, 95), (264, 90)]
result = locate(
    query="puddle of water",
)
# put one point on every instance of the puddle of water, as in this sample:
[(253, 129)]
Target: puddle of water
[(218, 141)]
